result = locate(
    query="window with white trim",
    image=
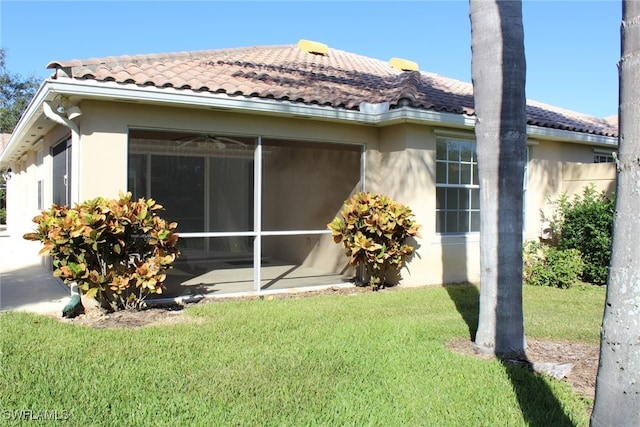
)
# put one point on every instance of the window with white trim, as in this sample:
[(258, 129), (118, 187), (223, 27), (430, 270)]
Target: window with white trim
[(457, 186), (603, 156)]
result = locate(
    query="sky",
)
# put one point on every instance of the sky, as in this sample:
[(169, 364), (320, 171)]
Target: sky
[(572, 47)]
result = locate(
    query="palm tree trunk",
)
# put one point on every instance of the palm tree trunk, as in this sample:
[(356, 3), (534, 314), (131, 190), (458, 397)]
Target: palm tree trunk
[(617, 400), (498, 72)]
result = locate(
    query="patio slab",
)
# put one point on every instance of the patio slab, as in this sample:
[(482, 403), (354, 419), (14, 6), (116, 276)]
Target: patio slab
[(25, 283)]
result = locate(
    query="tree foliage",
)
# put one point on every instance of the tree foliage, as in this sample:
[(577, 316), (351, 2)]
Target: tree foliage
[(16, 92), (546, 265), (585, 223)]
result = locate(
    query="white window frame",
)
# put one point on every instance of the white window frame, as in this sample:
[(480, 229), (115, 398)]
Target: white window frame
[(603, 156), (468, 186)]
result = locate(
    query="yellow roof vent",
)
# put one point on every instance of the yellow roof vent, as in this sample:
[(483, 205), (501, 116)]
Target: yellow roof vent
[(403, 64), (316, 48)]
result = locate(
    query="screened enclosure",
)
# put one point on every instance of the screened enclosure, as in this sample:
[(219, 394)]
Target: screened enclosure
[(251, 211)]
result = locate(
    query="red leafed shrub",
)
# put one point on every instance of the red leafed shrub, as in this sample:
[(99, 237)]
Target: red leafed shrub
[(116, 251), (374, 230)]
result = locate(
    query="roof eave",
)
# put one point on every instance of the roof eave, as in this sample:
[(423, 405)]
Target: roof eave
[(91, 89), (538, 132), (23, 136)]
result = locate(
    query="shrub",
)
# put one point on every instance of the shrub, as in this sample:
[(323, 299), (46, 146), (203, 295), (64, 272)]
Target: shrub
[(585, 223), (116, 251), (373, 229), (546, 265)]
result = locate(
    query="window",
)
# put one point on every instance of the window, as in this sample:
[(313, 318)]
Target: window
[(40, 176), (602, 156), (457, 187)]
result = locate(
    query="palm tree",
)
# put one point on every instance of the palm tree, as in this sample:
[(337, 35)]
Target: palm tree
[(617, 400), (498, 73)]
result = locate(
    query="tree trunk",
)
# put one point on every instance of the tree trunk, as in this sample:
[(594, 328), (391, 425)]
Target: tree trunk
[(498, 72), (617, 401)]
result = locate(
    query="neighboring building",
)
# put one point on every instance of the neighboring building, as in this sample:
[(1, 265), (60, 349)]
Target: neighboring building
[(253, 151)]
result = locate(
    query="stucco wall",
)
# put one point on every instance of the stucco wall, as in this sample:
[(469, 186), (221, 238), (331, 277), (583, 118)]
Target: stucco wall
[(403, 166), (399, 162), (287, 204), (576, 176), (22, 187), (102, 151), (556, 168)]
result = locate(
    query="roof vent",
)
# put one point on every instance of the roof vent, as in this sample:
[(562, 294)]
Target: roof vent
[(315, 48), (403, 64)]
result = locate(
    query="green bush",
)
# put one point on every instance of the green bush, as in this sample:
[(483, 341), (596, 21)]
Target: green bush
[(585, 223), (373, 229), (546, 265), (116, 251)]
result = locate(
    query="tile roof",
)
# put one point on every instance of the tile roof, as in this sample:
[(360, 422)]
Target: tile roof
[(339, 79)]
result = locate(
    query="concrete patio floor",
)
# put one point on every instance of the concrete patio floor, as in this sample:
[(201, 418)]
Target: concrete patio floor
[(27, 285)]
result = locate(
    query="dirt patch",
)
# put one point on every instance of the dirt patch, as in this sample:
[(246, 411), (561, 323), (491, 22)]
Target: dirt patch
[(584, 358), (98, 319)]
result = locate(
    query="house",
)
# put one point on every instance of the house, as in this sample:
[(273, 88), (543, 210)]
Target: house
[(253, 151)]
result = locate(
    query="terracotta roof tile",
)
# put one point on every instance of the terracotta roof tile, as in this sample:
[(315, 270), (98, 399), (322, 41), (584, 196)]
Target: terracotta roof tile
[(339, 79)]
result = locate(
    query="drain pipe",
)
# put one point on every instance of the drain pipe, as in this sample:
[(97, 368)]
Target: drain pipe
[(52, 114), (74, 307), (65, 118)]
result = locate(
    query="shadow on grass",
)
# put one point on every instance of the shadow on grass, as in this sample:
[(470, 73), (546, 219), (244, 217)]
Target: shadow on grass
[(467, 300), (539, 405)]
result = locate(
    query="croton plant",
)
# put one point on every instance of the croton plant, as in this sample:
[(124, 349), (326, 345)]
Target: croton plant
[(116, 251), (374, 230)]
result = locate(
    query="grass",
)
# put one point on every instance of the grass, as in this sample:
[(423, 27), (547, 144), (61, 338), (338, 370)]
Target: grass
[(375, 359)]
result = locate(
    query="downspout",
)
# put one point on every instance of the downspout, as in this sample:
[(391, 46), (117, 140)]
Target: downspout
[(51, 113), (74, 307)]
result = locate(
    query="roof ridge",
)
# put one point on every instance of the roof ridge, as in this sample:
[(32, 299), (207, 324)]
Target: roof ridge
[(409, 82)]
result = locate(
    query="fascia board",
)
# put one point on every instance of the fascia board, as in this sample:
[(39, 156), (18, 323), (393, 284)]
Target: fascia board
[(172, 96), (412, 115), (571, 136)]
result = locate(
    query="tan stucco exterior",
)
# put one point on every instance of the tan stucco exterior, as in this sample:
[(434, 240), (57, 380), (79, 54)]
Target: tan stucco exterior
[(399, 162)]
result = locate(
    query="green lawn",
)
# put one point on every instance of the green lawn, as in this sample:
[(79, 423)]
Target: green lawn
[(373, 359)]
